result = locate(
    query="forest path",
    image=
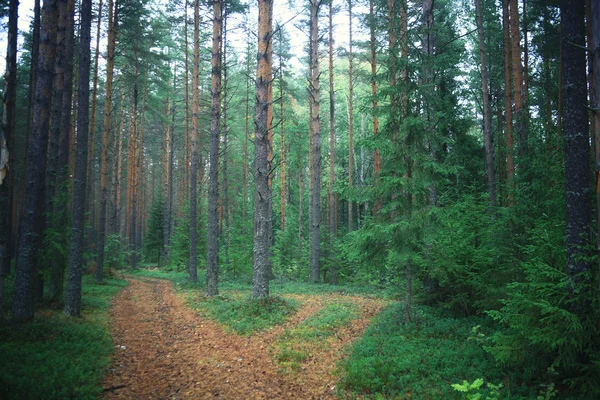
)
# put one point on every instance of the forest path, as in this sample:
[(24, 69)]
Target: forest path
[(165, 350)]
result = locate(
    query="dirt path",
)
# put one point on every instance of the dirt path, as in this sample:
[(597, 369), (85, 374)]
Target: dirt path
[(164, 350)]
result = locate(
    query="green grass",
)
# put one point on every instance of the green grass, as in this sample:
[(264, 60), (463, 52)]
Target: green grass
[(245, 315), (420, 359), (57, 357), (296, 344)]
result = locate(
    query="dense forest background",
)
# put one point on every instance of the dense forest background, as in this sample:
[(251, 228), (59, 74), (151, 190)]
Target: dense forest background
[(447, 157)]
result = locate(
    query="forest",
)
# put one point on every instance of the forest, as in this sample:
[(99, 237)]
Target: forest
[(278, 199)]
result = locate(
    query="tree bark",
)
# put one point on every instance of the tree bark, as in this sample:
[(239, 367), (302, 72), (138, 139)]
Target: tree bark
[(350, 122), (7, 140), (212, 267), (73, 295), (32, 220), (517, 71), (331, 194), (372, 44), (262, 191), (92, 227), (193, 261), (315, 132), (508, 122), (487, 125), (575, 132), (595, 98), (110, 62)]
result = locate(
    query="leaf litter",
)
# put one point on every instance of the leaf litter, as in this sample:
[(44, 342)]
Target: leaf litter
[(165, 350)]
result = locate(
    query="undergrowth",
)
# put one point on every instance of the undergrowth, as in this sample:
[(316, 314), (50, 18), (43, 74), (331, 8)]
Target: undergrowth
[(58, 357), (245, 315), (423, 358), (296, 344)]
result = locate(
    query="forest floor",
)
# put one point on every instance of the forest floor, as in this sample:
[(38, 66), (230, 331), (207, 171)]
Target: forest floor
[(165, 349)]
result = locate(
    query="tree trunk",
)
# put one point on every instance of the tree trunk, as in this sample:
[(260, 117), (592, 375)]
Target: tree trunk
[(193, 261), (187, 101), (331, 194), (212, 267), (32, 220), (487, 125), (595, 97), (508, 128), (7, 140), (73, 295), (517, 71), (110, 62), (315, 132), (246, 136), (575, 123), (372, 43), (225, 152), (262, 193), (350, 122), (92, 227), (62, 171), (282, 133)]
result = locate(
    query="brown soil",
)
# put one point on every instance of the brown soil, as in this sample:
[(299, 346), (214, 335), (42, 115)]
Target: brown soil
[(164, 350)]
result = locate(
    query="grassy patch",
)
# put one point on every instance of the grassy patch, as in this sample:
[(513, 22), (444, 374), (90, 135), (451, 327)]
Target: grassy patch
[(420, 359), (57, 357), (296, 344), (246, 315)]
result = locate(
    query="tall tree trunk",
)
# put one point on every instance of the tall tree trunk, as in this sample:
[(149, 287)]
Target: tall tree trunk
[(350, 121), (372, 45), (212, 268), (262, 193), (517, 71), (487, 124), (282, 133), (73, 294), (92, 228), (508, 123), (331, 194), (300, 192), (595, 97), (225, 152), (32, 220), (575, 124), (246, 136), (110, 62), (7, 140), (193, 261), (315, 132), (62, 171), (168, 167), (525, 70), (119, 172), (187, 101)]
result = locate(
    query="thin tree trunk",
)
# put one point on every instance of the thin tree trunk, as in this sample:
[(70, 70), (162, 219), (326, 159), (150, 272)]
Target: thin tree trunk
[(62, 172), (7, 140), (187, 101), (110, 62), (315, 132), (487, 125), (193, 261), (73, 294), (575, 124), (225, 203), (282, 133), (372, 43), (525, 70), (595, 98), (212, 268), (92, 228), (262, 194), (331, 194), (246, 135), (510, 163), (32, 220), (350, 122), (517, 71)]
